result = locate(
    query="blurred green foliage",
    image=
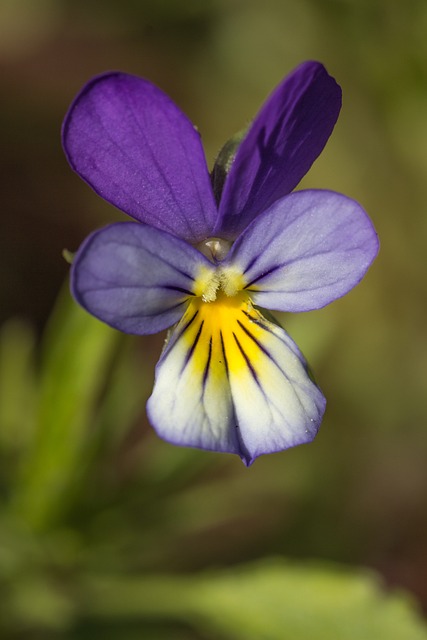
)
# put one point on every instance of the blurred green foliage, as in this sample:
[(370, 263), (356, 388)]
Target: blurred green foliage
[(107, 532), (59, 574)]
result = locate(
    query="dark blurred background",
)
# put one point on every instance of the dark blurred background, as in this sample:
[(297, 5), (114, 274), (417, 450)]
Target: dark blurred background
[(357, 495)]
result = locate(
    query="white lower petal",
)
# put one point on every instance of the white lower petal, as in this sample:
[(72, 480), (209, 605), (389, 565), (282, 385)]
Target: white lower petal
[(230, 380)]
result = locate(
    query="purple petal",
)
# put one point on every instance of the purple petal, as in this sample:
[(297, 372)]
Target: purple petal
[(308, 249), (135, 278), (133, 145), (285, 138)]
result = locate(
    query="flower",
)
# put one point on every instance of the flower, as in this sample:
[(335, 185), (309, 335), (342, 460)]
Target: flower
[(205, 261)]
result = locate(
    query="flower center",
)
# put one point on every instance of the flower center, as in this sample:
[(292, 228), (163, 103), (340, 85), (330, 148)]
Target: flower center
[(225, 280)]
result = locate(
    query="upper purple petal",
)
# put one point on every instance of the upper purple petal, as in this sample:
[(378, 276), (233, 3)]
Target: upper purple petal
[(134, 277), (137, 149), (307, 250), (285, 138)]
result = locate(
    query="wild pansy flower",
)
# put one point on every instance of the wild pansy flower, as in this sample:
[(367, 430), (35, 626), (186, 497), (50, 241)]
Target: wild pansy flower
[(204, 260)]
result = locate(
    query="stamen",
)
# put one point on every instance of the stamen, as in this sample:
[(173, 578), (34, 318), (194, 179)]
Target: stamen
[(227, 280), (231, 281), (211, 281), (211, 288)]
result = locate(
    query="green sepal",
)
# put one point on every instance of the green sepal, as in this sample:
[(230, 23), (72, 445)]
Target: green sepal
[(68, 255), (224, 162)]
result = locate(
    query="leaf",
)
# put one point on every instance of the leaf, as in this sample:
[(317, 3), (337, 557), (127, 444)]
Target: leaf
[(17, 384), (77, 356), (278, 600), (269, 600)]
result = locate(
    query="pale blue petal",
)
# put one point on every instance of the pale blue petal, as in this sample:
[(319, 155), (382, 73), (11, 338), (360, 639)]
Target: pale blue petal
[(136, 278), (307, 250)]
